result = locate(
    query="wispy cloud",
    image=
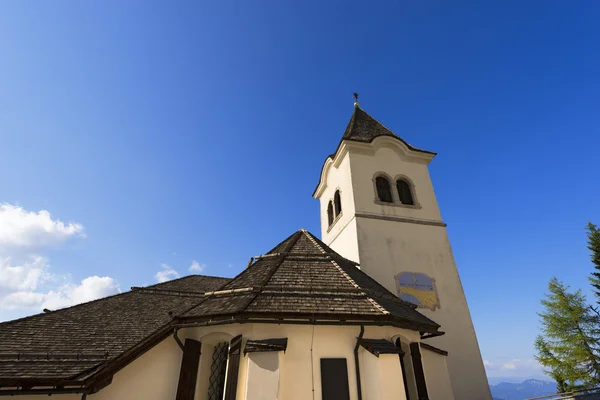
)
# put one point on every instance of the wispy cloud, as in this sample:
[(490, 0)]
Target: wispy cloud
[(515, 367), (166, 274), (197, 267)]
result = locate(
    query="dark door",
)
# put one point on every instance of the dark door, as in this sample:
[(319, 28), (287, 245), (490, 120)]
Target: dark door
[(334, 379)]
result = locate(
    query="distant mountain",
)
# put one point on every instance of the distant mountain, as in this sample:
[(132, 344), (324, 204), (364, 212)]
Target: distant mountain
[(523, 390)]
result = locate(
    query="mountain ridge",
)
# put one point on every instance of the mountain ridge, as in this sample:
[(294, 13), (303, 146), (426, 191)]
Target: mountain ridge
[(523, 390)]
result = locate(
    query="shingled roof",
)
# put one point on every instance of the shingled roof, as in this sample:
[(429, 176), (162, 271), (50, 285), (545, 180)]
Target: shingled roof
[(302, 278), (364, 128), (72, 345)]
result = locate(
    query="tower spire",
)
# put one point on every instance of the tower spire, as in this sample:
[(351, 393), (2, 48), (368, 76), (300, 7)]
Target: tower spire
[(356, 100)]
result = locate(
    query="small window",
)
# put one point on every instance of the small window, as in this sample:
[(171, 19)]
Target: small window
[(337, 200), (384, 192), (404, 192), (330, 213), (334, 379), (218, 369)]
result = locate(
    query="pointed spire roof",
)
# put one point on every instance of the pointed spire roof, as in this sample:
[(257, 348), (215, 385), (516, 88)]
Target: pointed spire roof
[(364, 128), (302, 278)]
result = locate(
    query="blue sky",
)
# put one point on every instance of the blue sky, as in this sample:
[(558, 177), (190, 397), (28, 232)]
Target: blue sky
[(168, 133)]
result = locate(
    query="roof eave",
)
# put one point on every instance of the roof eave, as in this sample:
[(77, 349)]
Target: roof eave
[(304, 318)]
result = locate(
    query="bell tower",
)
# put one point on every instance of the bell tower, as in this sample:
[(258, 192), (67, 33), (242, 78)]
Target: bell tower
[(378, 208)]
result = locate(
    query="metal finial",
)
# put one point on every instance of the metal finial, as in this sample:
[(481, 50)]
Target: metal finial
[(355, 99)]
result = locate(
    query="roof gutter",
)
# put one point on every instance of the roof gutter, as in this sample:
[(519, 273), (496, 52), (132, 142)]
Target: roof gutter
[(356, 363), (179, 343), (282, 319), (48, 392)]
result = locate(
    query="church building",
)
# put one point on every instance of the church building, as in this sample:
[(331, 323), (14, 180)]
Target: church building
[(373, 309)]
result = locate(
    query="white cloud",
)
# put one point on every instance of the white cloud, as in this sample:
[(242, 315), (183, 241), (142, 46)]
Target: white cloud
[(197, 267), (26, 282), (21, 228), (91, 288), (515, 367), (166, 274), (26, 276), (22, 300)]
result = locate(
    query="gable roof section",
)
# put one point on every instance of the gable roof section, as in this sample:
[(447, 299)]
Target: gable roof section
[(302, 278), (72, 344)]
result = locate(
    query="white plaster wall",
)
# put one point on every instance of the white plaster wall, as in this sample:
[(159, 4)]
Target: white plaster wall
[(381, 377), (436, 375), (263, 376), (370, 375), (338, 178), (154, 376), (346, 241), (391, 377), (388, 248), (299, 367)]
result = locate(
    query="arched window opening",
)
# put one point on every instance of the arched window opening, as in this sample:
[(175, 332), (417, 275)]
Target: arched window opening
[(338, 203), (330, 213), (384, 192), (404, 192)]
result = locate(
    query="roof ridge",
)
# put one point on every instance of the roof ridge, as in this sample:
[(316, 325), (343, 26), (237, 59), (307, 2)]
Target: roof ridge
[(293, 238), (376, 120), (5, 323), (287, 248), (182, 278), (352, 281), (345, 275)]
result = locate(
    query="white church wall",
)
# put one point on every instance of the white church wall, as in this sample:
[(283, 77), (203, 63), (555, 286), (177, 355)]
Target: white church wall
[(299, 366), (263, 376), (370, 376), (337, 178), (386, 250), (155, 375), (381, 376), (346, 242), (436, 375)]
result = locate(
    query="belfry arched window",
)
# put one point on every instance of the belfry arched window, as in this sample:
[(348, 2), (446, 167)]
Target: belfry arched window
[(384, 191), (337, 201), (330, 213), (404, 192)]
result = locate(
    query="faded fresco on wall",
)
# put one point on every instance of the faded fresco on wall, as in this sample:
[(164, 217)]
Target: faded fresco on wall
[(417, 288)]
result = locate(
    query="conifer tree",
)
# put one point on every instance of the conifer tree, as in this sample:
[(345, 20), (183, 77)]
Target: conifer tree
[(569, 346), (593, 234)]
